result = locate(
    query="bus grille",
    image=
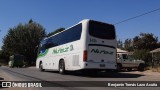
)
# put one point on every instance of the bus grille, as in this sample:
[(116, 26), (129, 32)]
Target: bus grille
[(76, 60)]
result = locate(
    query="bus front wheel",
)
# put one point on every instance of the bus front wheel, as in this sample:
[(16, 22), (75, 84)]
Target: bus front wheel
[(61, 67), (41, 66)]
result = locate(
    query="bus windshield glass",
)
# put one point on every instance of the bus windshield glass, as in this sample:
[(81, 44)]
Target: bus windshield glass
[(101, 30)]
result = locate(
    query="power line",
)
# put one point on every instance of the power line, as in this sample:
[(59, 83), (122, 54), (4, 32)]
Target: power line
[(137, 16)]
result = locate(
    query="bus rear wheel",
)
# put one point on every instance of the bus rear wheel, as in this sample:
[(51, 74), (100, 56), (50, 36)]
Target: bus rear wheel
[(41, 66), (62, 67)]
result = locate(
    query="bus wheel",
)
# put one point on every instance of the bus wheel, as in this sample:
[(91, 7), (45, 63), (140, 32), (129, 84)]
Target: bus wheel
[(61, 67), (41, 66)]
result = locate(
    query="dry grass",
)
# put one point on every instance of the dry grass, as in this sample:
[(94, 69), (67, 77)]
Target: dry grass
[(153, 69), (148, 68), (156, 69)]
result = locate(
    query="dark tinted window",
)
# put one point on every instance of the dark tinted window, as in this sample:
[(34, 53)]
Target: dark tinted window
[(67, 36), (101, 30), (124, 56), (43, 44)]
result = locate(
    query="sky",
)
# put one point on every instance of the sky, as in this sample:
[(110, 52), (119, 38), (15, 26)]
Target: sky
[(53, 14)]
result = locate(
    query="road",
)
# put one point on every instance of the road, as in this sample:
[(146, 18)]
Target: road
[(33, 74)]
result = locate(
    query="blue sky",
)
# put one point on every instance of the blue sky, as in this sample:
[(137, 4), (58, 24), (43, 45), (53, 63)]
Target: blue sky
[(53, 14)]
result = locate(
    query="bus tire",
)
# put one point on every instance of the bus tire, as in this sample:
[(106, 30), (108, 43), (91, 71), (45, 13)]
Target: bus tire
[(41, 66), (62, 67)]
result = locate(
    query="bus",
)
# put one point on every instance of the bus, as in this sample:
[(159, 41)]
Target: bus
[(89, 45)]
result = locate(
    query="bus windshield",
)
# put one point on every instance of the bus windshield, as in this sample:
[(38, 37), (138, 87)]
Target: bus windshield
[(101, 30)]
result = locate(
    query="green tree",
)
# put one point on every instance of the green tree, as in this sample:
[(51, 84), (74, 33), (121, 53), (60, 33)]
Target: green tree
[(0, 54), (145, 41), (23, 39), (159, 45), (56, 31), (141, 45), (143, 55)]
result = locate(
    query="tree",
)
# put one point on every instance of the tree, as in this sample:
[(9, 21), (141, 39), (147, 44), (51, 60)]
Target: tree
[(159, 45), (119, 44), (141, 45), (23, 39), (143, 54), (0, 54), (128, 45), (145, 41), (56, 31)]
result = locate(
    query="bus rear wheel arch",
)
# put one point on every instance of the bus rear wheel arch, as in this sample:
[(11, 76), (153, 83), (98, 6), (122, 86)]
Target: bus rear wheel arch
[(41, 66), (62, 67)]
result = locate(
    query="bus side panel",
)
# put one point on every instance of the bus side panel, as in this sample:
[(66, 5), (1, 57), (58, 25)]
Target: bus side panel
[(69, 52), (73, 57), (76, 57)]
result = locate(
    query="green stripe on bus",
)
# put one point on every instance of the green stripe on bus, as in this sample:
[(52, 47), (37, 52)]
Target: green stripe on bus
[(43, 54)]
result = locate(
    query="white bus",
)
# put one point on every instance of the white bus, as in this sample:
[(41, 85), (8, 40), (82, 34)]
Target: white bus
[(88, 45)]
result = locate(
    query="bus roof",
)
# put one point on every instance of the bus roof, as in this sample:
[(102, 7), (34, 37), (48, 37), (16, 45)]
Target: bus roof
[(82, 21), (85, 20)]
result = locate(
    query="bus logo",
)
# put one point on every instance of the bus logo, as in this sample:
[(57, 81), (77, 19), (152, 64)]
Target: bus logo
[(62, 50), (101, 51)]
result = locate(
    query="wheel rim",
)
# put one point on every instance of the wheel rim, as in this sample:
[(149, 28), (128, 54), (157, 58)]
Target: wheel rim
[(61, 67), (41, 66)]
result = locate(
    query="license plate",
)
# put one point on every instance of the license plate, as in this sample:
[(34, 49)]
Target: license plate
[(102, 65)]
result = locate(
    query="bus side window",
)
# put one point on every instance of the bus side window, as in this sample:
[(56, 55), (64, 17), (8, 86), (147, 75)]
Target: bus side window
[(49, 45), (42, 48)]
